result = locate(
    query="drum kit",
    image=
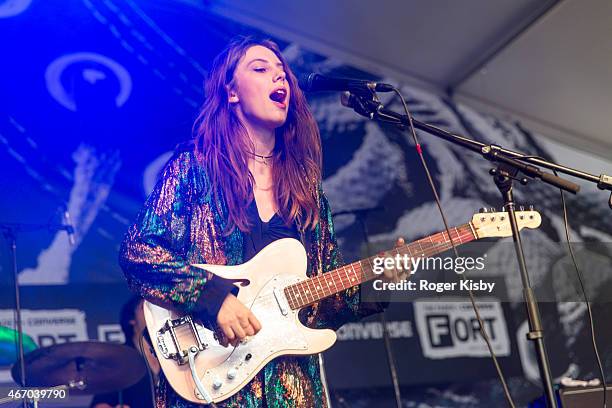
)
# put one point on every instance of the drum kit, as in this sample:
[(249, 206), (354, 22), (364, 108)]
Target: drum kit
[(81, 368)]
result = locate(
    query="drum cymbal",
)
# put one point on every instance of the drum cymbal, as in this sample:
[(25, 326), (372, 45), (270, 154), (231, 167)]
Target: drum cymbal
[(102, 367), (9, 351)]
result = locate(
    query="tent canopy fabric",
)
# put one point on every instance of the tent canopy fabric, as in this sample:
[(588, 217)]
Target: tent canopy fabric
[(546, 63)]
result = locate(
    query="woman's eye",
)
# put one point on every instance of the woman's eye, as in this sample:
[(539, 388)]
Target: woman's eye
[(260, 69)]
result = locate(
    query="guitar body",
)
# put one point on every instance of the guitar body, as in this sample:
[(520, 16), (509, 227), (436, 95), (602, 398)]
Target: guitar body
[(223, 371)]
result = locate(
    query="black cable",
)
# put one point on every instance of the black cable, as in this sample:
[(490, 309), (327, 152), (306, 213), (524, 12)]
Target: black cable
[(149, 369), (586, 299), (483, 332)]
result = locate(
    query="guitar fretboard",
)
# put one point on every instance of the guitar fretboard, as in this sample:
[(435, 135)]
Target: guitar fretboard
[(319, 287)]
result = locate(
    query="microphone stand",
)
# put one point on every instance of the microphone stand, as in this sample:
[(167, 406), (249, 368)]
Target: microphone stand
[(376, 111), (509, 164), (361, 215), (10, 231)]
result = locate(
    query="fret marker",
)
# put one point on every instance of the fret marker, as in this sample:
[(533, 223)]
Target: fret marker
[(318, 287)]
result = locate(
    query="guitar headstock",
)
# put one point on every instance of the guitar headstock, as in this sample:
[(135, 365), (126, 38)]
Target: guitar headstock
[(497, 224)]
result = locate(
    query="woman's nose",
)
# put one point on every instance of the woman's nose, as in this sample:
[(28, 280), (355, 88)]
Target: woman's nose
[(280, 76)]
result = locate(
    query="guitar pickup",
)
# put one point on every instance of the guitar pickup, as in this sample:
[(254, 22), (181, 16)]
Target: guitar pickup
[(181, 334)]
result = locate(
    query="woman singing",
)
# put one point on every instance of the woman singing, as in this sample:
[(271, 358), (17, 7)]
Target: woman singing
[(252, 176)]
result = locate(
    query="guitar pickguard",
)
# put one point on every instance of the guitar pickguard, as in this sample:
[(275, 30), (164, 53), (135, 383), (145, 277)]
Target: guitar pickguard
[(278, 335)]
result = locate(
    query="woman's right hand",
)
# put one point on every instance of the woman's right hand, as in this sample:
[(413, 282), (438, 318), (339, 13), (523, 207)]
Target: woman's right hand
[(236, 321)]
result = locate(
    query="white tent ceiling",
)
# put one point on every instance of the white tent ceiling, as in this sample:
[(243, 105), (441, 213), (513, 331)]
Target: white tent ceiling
[(547, 63)]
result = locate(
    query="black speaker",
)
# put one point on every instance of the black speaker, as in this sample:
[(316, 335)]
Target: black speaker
[(584, 397)]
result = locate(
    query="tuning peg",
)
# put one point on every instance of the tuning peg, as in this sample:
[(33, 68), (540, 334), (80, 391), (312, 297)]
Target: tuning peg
[(483, 210), (521, 208), (493, 209), (530, 207)]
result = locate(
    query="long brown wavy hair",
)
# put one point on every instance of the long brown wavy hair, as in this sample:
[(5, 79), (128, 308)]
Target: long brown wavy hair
[(222, 144)]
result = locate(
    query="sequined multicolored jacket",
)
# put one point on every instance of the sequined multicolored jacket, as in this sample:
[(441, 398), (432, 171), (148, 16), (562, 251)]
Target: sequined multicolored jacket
[(181, 224)]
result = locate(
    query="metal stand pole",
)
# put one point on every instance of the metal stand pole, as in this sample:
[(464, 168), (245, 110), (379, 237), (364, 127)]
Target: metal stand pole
[(10, 235), (361, 218), (503, 177)]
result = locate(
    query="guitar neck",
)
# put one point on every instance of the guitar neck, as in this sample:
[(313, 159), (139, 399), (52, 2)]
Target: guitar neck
[(319, 287)]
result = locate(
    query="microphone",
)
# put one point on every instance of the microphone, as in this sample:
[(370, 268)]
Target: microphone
[(316, 82), (68, 227)]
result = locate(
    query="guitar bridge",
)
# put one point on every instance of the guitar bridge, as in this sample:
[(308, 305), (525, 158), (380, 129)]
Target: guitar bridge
[(181, 334)]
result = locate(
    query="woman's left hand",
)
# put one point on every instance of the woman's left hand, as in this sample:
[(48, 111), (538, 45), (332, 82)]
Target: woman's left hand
[(394, 274)]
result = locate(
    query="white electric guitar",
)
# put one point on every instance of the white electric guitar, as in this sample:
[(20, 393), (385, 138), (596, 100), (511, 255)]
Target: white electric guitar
[(274, 285)]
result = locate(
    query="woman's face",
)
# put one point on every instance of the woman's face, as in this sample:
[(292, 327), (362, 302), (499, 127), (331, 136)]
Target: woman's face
[(259, 92)]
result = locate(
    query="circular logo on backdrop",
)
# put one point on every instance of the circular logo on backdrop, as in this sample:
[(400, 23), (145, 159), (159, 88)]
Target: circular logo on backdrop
[(87, 76), (11, 8)]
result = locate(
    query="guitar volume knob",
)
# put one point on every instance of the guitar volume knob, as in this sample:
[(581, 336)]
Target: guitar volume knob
[(231, 373), (217, 383)]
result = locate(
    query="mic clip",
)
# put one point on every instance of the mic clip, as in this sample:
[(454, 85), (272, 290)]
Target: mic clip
[(370, 107), (365, 105)]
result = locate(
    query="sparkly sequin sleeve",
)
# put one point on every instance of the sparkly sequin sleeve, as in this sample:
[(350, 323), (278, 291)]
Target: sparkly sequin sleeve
[(345, 306), (155, 253)]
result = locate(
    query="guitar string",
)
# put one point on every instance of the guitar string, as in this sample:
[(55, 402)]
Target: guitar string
[(336, 276)]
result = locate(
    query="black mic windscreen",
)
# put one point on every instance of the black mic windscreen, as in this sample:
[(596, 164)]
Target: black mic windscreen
[(306, 82)]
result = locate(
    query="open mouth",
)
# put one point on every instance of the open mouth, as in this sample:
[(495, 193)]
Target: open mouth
[(279, 95)]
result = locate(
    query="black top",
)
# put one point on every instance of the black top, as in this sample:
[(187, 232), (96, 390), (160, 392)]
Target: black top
[(263, 233)]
